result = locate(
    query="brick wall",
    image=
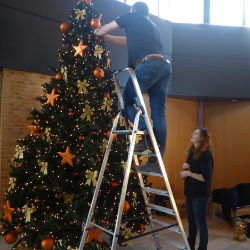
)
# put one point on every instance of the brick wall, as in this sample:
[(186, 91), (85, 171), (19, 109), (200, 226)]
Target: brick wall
[(18, 92)]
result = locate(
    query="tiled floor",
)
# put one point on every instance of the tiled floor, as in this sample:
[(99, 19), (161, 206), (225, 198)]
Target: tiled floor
[(220, 238)]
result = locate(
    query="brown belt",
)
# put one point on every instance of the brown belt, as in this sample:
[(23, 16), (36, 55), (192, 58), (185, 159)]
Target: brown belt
[(150, 58)]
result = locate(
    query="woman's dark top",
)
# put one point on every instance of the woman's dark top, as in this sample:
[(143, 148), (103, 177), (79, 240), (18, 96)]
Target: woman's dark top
[(203, 165)]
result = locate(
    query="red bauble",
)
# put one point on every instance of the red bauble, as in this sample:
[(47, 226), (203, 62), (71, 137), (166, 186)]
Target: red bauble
[(106, 95), (47, 243), (98, 73), (105, 222), (141, 230), (95, 23), (64, 27), (18, 229), (11, 237), (58, 195), (126, 207), (71, 112), (81, 137), (114, 184), (59, 76)]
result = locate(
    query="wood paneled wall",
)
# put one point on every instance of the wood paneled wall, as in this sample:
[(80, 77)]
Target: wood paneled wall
[(229, 123), (181, 122)]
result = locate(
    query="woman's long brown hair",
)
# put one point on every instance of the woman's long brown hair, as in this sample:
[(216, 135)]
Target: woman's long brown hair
[(206, 144)]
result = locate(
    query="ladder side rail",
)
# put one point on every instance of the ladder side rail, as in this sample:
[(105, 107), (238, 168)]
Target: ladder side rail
[(125, 180), (97, 188)]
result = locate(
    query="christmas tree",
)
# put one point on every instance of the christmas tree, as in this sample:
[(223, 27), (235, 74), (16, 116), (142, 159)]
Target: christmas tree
[(55, 168)]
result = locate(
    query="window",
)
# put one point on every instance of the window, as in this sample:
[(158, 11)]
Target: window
[(182, 11), (226, 12), (247, 12)]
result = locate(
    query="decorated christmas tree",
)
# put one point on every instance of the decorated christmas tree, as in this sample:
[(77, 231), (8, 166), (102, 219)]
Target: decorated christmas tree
[(55, 168)]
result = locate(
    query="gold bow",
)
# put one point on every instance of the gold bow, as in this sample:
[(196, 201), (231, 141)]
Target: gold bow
[(91, 176), (12, 183), (134, 202), (44, 166), (104, 145), (123, 165), (80, 14), (47, 133), (87, 112), (28, 211), (126, 236), (71, 248), (98, 51), (19, 152), (68, 198), (107, 104), (64, 71), (82, 87)]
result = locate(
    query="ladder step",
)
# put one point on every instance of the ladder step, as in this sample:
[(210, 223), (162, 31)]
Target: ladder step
[(127, 132), (149, 154), (156, 191), (102, 228), (175, 228), (151, 173), (173, 243), (161, 209)]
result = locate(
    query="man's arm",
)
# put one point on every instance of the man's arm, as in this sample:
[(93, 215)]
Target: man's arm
[(104, 30), (120, 40)]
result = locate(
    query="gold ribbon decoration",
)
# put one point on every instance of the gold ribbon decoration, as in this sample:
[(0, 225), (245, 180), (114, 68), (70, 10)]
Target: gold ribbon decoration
[(134, 200), (123, 165), (47, 133), (28, 211), (12, 183), (44, 166), (104, 145), (71, 248), (87, 112), (91, 176), (68, 198), (80, 14), (82, 87), (98, 51), (126, 236), (19, 152), (64, 71), (107, 104)]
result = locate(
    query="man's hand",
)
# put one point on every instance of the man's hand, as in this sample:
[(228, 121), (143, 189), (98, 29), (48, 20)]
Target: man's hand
[(186, 166), (184, 174), (99, 32), (106, 28)]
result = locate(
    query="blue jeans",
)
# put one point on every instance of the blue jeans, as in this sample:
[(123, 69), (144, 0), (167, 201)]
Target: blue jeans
[(153, 77), (197, 214)]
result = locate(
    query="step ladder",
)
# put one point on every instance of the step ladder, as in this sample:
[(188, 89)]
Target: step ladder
[(132, 133)]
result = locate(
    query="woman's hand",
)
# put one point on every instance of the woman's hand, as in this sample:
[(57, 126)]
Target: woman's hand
[(186, 166), (184, 174)]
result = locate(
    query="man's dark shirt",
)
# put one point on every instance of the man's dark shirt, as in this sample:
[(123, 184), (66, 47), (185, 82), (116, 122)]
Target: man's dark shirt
[(203, 165), (143, 37)]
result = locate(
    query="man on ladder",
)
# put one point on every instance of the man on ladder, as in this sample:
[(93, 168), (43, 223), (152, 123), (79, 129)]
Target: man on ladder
[(152, 69)]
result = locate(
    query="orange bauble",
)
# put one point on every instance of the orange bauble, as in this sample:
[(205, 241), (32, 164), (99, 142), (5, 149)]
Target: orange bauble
[(106, 95), (98, 73), (95, 23), (64, 27), (126, 207), (108, 135), (11, 237), (47, 243), (59, 76)]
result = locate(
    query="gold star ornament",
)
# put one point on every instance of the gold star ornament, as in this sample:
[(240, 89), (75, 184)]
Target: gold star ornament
[(7, 210), (79, 50), (51, 98), (67, 157)]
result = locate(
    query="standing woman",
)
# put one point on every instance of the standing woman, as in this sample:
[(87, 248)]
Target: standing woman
[(197, 174)]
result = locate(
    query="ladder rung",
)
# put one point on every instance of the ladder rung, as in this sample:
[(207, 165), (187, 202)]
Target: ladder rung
[(162, 209), (127, 132), (151, 173), (145, 153), (104, 229), (156, 191), (173, 243), (175, 228)]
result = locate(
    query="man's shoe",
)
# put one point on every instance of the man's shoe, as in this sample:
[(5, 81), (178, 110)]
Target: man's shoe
[(144, 144), (151, 166)]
